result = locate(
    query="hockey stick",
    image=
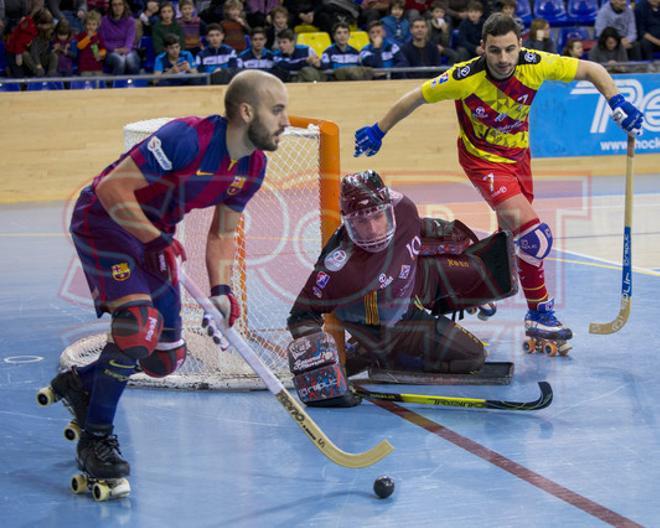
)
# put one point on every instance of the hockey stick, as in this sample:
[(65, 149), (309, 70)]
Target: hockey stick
[(293, 408), (453, 401), (626, 273)]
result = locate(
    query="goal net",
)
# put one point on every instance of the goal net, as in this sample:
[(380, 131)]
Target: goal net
[(279, 239)]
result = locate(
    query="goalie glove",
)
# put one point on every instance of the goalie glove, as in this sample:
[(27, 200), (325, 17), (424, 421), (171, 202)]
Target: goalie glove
[(626, 115)]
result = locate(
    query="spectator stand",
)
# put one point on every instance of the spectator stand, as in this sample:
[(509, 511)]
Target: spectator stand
[(319, 41)]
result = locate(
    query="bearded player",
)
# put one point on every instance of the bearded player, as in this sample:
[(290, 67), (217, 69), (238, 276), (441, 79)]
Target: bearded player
[(390, 277), (123, 228), (493, 95)]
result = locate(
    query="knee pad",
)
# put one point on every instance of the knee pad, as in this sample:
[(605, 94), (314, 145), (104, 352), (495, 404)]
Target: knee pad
[(136, 329), (165, 359), (534, 243)]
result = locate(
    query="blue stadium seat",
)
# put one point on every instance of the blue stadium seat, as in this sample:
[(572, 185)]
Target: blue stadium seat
[(37, 86), (86, 84), (524, 11), (552, 10), (9, 86), (3, 58), (130, 83), (583, 12), (566, 33)]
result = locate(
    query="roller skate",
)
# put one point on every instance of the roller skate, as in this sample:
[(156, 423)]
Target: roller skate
[(103, 470), (484, 311), (544, 332), (68, 387)]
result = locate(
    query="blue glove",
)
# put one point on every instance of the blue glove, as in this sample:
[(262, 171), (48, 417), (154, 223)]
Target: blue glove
[(368, 140), (626, 115)]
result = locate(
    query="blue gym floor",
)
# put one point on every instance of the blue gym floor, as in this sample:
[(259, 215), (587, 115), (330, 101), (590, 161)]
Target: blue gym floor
[(236, 459)]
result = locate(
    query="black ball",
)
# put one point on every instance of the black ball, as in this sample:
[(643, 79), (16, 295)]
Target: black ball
[(384, 486)]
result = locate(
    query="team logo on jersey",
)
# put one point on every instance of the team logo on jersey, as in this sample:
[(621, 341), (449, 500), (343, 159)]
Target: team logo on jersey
[(336, 260), (385, 280), (322, 279), (463, 72), (236, 185), (532, 58), (121, 271), (156, 148), (405, 271)]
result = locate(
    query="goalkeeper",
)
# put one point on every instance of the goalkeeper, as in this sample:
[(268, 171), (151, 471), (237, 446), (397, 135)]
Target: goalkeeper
[(390, 277)]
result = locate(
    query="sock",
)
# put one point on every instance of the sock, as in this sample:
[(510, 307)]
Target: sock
[(110, 376), (86, 375)]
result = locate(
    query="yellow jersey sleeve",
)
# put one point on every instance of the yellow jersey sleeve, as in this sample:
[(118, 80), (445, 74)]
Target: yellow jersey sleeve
[(553, 67), (443, 87)]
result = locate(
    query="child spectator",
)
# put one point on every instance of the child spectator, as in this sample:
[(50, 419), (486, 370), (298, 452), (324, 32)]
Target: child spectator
[(39, 58), (381, 52), (397, 28), (469, 30), (118, 33), (609, 48), (297, 59), (539, 36), (192, 27), (440, 32), (420, 51), (573, 48), (148, 19), (258, 10), (173, 60), (165, 26), (20, 37), (343, 58), (279, 19), (234, 26), (64, 48), (91, 48), (257, 56), (217, 58)]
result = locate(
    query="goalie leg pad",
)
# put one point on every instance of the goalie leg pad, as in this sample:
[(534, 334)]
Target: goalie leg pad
[(136, 329), (312, 351), (167, 358), (534, 243)]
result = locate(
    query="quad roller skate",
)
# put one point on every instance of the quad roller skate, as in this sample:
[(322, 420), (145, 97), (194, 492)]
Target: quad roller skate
[(545, 333), (484, 312), (103, 470), (68, 387)]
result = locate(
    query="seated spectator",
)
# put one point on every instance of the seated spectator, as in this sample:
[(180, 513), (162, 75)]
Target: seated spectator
[(217, 58), (20, 37), (91, 48), (457, 10), (166, 25), (279, 21), (420, 51), (647, 14), (573, 48), (257, 11), (117, 30), (469, 30), (609, 48), (100, 6), (148, 19), (257, 56), (192, 26), (373, 10), (440, 32), (620, 16), (214, 12), (397, 27), (539, 36), (234, 25), (64, 48), (15, 12), (39, 59), (343, 58), (297, 59), (173, 60), (73, 11), (508, 7), (381, 52)]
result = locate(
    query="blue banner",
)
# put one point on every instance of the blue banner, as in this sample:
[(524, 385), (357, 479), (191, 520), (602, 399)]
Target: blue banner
[(573, 119)]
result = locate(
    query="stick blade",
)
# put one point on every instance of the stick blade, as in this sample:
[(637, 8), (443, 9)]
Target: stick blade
[(618, 322)]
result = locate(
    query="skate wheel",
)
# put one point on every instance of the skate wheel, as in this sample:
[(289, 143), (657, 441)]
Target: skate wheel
[(120, 488), (529, 345), (72, 432), (550, 348), (471, 310), (79, 484), (564, 349), (101, 491), (46, 397)]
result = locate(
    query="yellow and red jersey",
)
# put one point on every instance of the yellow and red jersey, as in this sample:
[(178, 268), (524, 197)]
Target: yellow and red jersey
[(494, 114)]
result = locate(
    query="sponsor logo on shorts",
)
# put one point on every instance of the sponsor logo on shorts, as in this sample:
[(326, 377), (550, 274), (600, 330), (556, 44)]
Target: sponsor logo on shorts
[(405, 271), (237, 185), (336, 260), (499, 191), (156, 148), (121, 271)]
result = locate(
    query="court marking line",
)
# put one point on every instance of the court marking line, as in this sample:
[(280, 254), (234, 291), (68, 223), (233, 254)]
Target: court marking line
[(600, 263), (514, 468)]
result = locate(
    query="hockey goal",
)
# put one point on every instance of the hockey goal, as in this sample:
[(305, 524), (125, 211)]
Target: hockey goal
[(279, 239)]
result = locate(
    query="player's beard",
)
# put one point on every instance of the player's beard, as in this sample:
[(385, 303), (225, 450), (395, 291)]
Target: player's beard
[(260, 137)]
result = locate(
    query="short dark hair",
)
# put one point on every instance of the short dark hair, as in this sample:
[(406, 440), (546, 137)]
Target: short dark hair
[(256, 30), (339, 25), (170, 39), (475, 5), (214, 27), (373, 24), (499, 24), (287, 34)]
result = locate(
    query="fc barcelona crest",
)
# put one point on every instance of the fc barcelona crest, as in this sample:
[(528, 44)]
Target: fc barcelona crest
[(121, 271), (236, 185)]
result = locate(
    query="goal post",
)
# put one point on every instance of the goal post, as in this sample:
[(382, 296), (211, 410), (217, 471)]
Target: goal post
[(280, 236)]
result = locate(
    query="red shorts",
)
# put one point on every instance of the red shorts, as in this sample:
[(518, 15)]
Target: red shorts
[(497, 181)]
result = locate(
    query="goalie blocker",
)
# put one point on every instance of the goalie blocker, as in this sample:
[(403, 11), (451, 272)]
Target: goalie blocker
[(319, 377)]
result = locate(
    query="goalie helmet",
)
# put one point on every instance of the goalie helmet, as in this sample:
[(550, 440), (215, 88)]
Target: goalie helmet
[(367, 211)]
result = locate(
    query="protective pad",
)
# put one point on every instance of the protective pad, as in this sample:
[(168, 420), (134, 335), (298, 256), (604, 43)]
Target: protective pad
[(136, 330), (535, 243), (498, 254), (493, 373), (164, 362), (312, 351), (321, 384), (442, 237)]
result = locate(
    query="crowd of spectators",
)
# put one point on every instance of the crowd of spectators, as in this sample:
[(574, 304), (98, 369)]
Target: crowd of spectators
[(220, 37)]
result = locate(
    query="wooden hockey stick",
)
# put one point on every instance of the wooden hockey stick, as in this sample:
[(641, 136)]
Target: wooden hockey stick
[(292, 407), (626, 273)]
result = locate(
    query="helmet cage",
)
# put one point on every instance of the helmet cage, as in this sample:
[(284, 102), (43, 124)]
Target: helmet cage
[(359, 225)]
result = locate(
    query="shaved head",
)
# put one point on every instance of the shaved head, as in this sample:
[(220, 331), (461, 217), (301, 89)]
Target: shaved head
[(248, 87)]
